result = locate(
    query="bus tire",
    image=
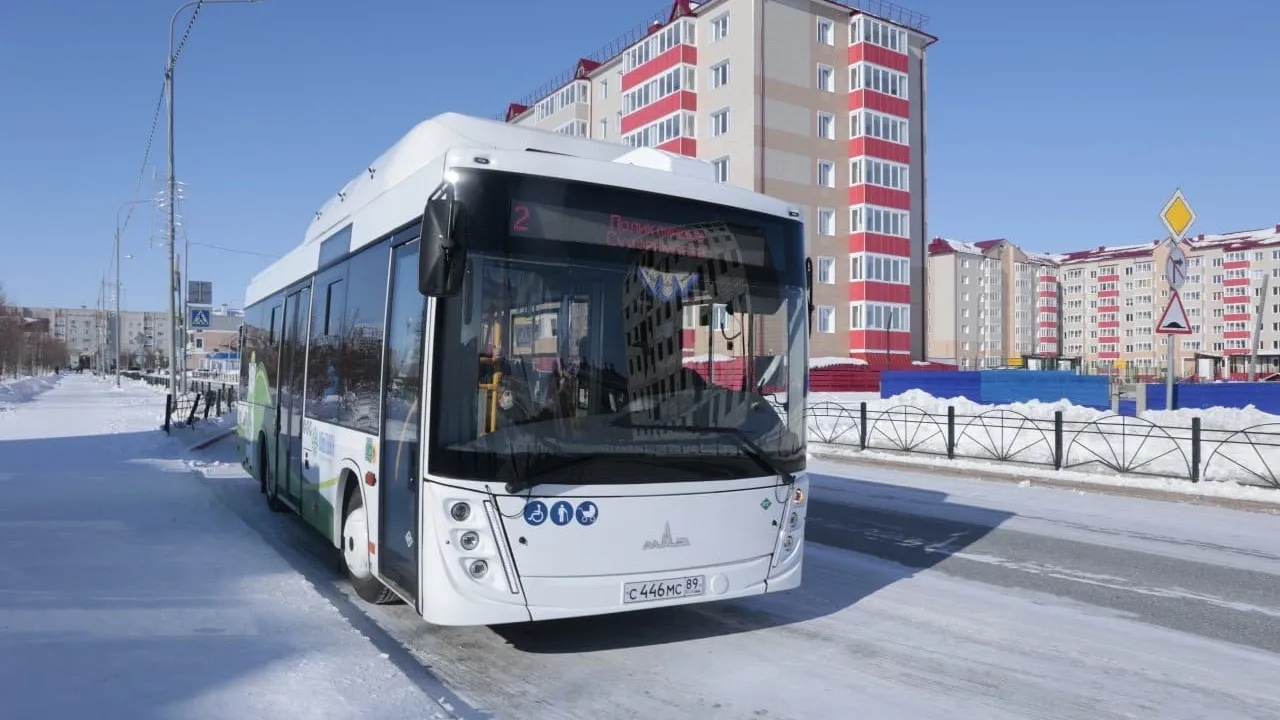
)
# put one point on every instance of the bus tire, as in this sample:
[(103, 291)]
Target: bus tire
[(268, 486), (355, 554)]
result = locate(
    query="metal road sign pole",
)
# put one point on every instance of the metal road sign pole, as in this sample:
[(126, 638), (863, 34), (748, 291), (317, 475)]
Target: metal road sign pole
[(1177, 217)]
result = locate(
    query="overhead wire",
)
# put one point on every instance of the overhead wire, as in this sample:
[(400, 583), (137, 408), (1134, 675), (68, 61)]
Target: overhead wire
[(155, 122)]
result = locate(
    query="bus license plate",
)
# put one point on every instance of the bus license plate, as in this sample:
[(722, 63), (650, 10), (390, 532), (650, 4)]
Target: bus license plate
[(671, 588)]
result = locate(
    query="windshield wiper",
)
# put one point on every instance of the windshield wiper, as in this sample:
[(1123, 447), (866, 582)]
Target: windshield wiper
[(749, 447), (521, 484)]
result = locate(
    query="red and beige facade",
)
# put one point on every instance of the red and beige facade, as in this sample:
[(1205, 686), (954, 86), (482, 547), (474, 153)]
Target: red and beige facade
[(812, 101), (1110, 300), (991, 303)]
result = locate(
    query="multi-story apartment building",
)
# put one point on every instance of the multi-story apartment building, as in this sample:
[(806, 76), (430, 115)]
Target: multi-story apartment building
[(1111, 299), (816, 102), (86, 331), (991, 304)]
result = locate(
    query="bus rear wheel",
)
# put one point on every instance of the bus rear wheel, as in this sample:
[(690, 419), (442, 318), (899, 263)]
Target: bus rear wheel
[(356, 562)]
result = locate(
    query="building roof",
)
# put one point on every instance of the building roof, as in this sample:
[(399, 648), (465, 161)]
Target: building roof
[(879, 9), (1224, 242)]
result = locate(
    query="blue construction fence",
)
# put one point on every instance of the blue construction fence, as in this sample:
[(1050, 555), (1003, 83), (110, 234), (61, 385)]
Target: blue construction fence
[(1000, 387), (1265, 396)]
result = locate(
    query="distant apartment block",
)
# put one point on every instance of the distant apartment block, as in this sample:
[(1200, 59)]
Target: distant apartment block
[(816, 102), (1110, 300), (86, 330), (991, 304)]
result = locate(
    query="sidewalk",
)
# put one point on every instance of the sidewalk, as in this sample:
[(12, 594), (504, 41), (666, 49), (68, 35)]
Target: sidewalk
[(128, 590)]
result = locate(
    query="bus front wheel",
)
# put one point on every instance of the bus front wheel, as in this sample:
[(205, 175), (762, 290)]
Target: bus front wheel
[(355, 554)]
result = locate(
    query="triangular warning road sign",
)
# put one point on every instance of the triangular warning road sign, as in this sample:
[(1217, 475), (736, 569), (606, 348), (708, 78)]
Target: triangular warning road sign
[(1174, 320)]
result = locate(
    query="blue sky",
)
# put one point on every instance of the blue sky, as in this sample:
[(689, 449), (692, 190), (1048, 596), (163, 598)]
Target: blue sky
[(1057, 125)]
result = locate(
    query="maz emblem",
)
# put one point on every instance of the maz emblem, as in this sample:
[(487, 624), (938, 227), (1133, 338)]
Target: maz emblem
[(666, 541)]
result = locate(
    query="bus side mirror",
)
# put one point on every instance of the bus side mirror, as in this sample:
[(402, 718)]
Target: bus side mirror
[(808, 271), (443, 252)]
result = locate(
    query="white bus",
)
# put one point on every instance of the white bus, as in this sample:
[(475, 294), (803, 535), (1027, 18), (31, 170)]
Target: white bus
[(516, 375)]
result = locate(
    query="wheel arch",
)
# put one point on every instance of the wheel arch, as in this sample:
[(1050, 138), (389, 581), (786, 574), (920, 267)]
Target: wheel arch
[(348, 483)]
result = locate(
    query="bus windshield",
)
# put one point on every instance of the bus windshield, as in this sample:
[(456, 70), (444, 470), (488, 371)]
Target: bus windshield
[(605, 335)]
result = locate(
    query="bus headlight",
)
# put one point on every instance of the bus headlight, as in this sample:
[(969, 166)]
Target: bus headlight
[(789, 543), (469, 540), (460, 511), (794, 521), (478, 568)]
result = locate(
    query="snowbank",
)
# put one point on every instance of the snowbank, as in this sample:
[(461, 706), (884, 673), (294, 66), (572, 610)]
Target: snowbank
[(13, 392), (1240, 445)]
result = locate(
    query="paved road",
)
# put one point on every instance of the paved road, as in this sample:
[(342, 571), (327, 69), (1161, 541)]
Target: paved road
[(978, 600), (1209, 596)]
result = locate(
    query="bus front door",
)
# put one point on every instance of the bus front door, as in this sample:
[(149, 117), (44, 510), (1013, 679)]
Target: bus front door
[(293, 359), (399, 476)]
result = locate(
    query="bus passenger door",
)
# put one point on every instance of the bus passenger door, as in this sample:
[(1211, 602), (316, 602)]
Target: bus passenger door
[(293, 360), (399, 475)]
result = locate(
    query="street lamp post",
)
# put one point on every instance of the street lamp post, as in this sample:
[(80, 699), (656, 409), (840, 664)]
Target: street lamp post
[(116, 335), (173, 263)]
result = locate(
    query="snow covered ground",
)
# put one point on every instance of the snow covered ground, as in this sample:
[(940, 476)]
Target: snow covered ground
[(14, 392), (139, 581), (127, 590), (1236, 445)]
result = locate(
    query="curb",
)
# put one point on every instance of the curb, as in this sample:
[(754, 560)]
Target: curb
[(210, 441)]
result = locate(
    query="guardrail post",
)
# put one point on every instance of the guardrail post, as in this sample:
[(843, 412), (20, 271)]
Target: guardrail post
[(195, 405), (1195, 449), (951, 432), (168, 410), (862, 425), (1057, 440), (207, 406)]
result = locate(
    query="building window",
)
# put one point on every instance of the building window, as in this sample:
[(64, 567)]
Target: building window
[(720, 74), (826, 78), (826, 173), (826, 32), (573, 93), (870, 171), (719, 26), (880, 220), (879, 316), (827, 270), (826, 125), (826, 319), (881, 268), (603, 128), (867, 76), (679, 78), (870, 123), (604, 88), (864, 29), (721, 166), (719, 122), (826, 221)]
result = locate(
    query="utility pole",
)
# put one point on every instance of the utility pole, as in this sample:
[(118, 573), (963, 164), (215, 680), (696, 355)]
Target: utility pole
[(170, 62)]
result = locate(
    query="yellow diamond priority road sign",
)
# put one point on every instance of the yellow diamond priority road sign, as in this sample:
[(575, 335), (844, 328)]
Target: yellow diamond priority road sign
[(1177, 215)]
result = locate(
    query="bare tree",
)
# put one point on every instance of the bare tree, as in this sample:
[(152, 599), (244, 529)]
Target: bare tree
[(27, 346)]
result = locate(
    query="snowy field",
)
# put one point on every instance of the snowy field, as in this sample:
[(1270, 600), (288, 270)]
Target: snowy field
[(1235, 445), (139, 580)]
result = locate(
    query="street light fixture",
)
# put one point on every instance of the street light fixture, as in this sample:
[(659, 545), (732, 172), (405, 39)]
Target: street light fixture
[(170, 61)]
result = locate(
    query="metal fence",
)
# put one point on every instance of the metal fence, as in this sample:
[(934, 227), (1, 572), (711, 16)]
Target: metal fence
[(1116, 443), (205, 398)]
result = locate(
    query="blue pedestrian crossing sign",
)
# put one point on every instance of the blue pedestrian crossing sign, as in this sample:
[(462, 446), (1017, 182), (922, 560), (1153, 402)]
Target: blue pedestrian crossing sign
[(200, 317)]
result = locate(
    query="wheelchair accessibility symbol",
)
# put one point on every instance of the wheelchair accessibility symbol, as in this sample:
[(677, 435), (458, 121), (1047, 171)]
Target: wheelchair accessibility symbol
[(535, 513)]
